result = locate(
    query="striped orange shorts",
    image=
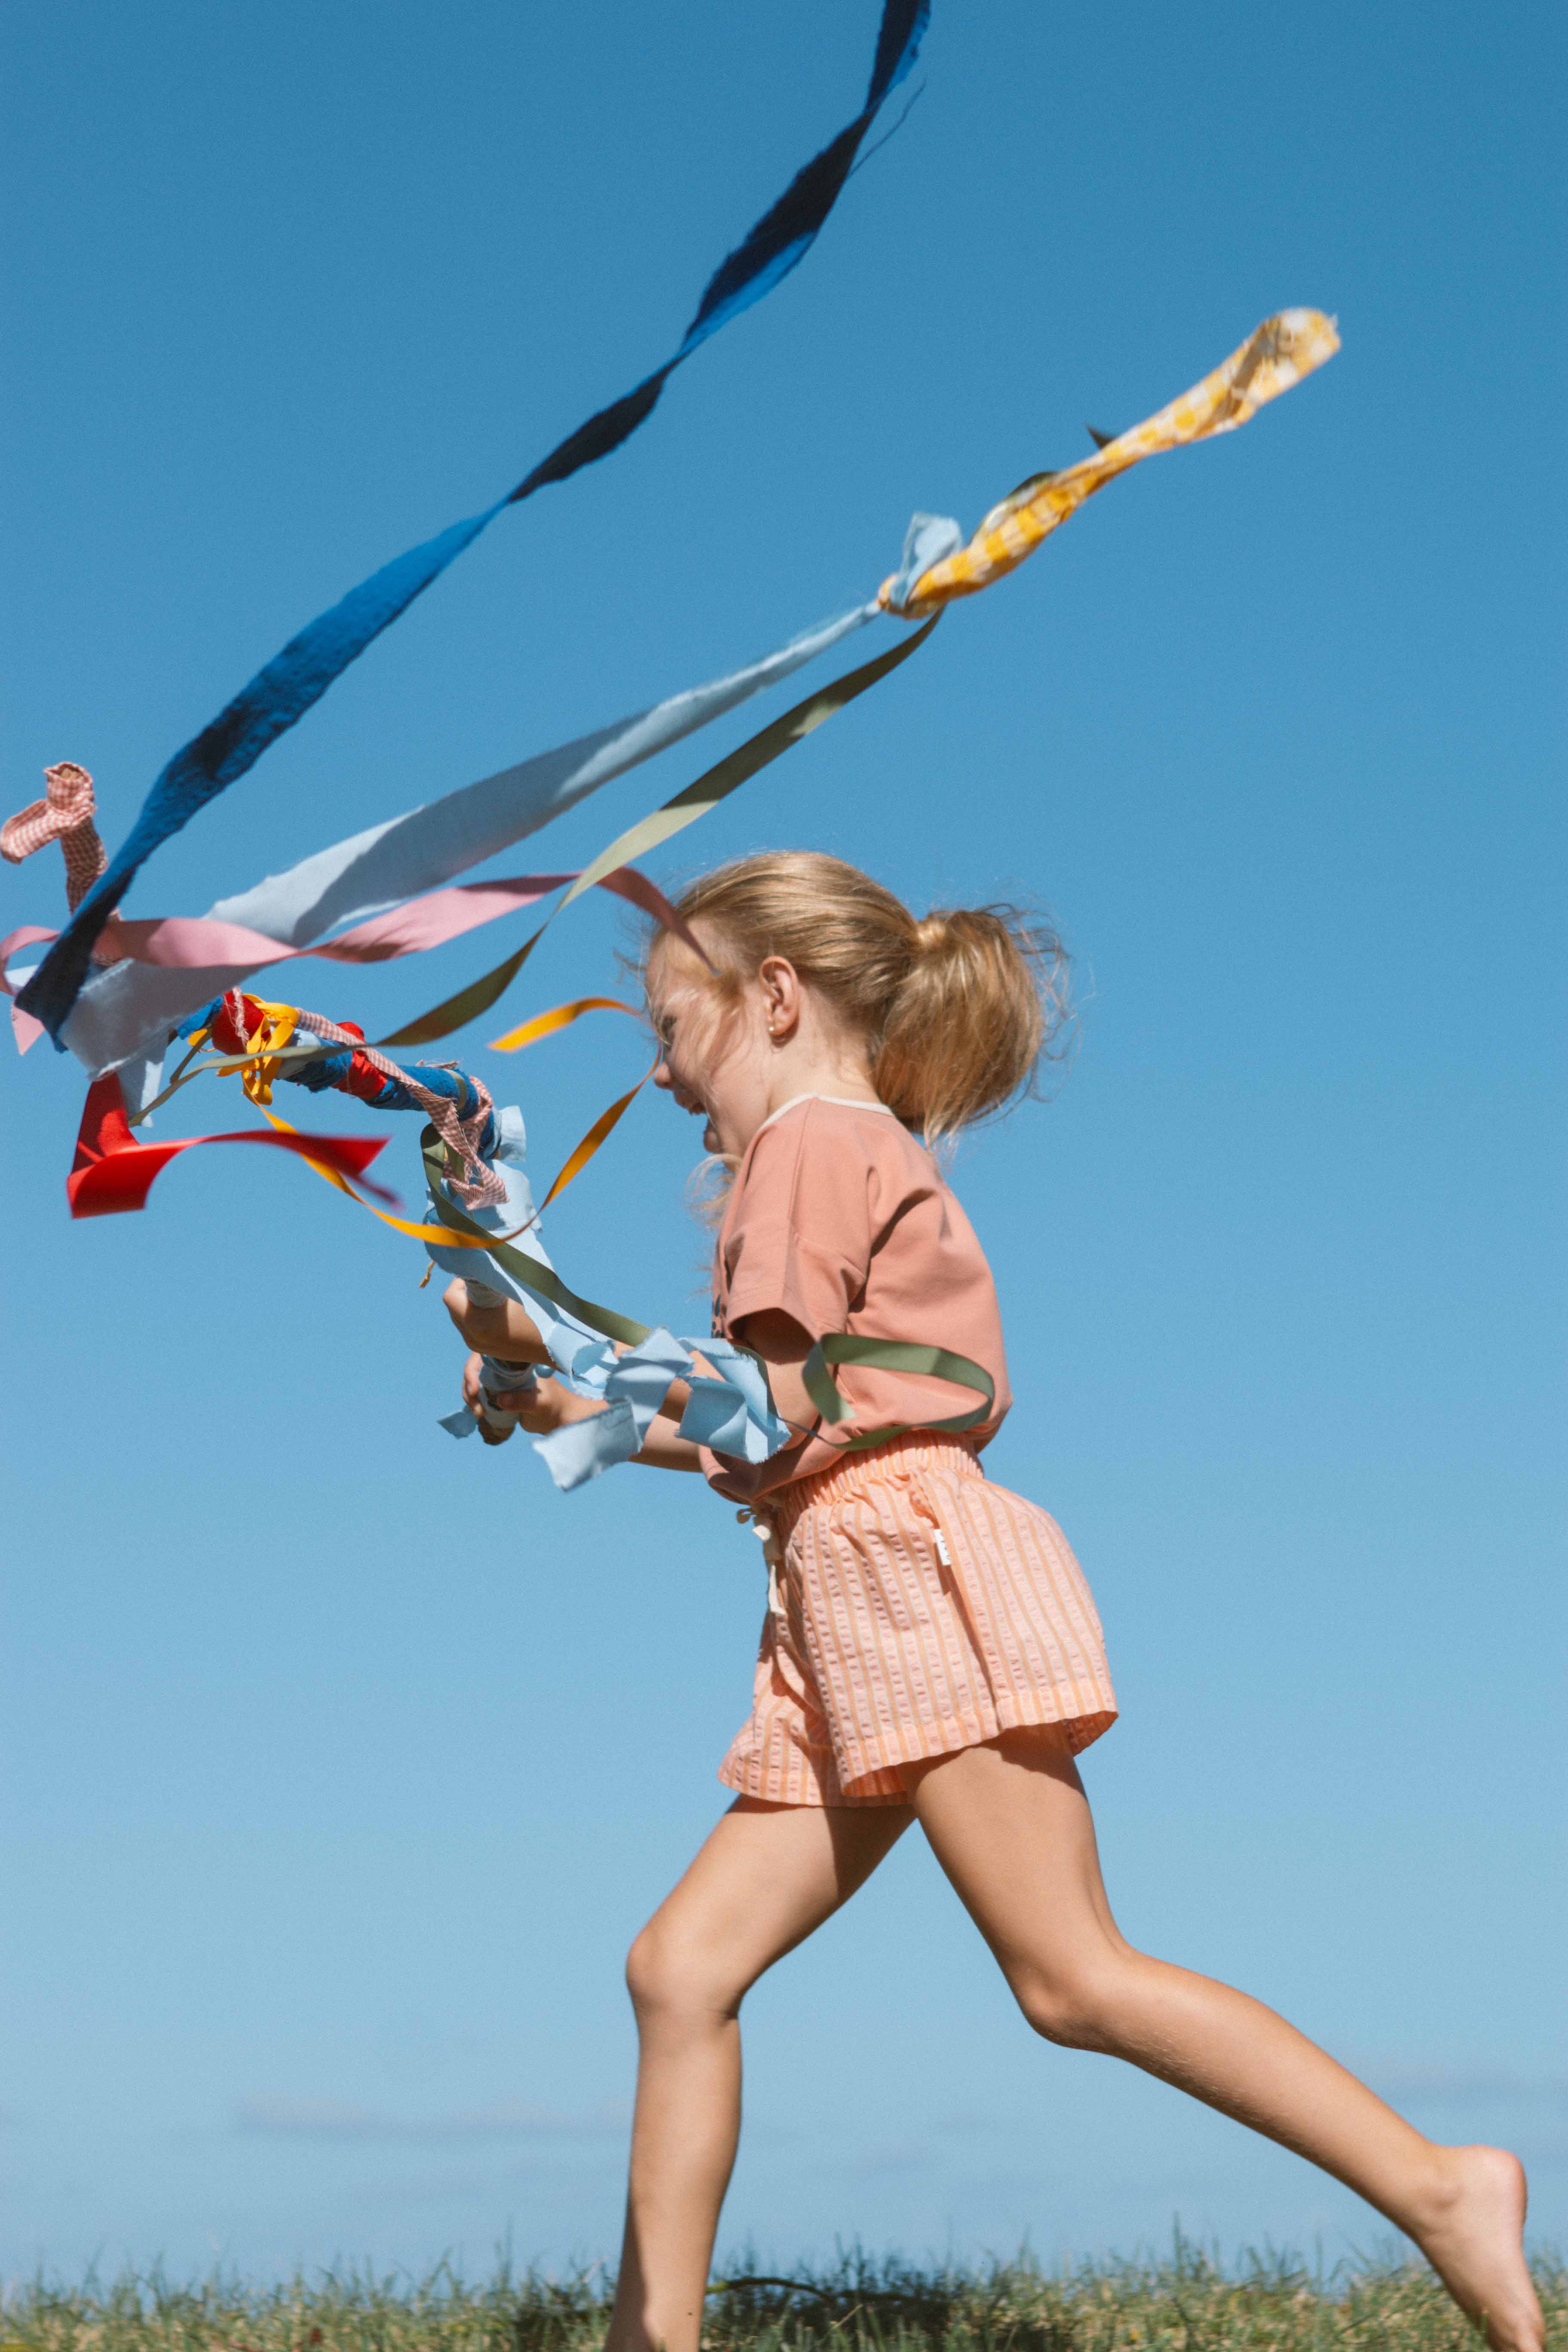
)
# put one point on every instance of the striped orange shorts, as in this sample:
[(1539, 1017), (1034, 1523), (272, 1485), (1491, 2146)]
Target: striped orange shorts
[(913, 1609)]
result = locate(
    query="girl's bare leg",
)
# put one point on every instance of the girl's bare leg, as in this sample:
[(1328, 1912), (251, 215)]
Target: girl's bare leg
[(1010, 1825), (766, 1877)]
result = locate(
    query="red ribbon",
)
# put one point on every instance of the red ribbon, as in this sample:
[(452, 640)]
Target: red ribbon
[(111, 1173)]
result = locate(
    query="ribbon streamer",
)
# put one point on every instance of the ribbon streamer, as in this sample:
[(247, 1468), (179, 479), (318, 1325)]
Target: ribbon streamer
[(281, 694), (26, 1030), (122, 1013), (198, 944), (545, 1025), (184, 942), (891, 1356), (560, 1016), (1275, 357), (134, 1007), (603, 1126)]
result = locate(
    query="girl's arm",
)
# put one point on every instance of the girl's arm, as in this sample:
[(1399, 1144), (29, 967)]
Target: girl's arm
[(784, 1346), (549, 1405), (507, 1332), (504, 1330), (664, 1448)]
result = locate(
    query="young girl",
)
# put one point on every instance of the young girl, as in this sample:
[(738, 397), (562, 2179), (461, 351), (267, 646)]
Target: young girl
[(930, 1652)]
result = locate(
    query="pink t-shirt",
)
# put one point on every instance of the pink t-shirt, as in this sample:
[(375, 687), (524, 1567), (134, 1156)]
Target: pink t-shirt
[(839, 1218)]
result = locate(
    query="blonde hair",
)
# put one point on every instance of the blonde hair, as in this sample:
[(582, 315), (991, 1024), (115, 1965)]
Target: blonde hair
[(957, 1009)]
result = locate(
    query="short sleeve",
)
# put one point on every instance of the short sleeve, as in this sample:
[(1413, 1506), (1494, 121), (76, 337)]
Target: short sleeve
[(800, 1236)]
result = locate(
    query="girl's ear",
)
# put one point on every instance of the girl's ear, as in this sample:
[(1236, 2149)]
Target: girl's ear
[(780, 984)]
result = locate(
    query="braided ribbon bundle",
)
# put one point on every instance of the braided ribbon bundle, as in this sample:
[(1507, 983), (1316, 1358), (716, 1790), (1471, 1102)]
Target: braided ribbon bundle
[(459, 1106)]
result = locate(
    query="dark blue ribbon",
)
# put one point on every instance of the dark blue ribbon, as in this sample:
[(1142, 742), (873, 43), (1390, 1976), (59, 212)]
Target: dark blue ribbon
[(280, 695)]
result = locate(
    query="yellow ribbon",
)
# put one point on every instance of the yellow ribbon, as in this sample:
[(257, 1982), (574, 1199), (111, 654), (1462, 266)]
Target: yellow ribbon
[(603, 1126), (544, 1024), (1281, 351), (275, 1031)]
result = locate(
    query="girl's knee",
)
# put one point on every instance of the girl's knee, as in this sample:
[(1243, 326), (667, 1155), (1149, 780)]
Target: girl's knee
[(650, 1975), (668, 1979), (1074, 2010)]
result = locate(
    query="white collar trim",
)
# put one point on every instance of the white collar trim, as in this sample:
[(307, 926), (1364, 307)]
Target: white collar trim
[(844, 1102)]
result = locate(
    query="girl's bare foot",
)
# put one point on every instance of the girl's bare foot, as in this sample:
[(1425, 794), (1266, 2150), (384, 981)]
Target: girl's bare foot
[(1474, 2240)]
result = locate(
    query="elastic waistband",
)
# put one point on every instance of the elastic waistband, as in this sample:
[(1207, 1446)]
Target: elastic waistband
[(919, 1449)]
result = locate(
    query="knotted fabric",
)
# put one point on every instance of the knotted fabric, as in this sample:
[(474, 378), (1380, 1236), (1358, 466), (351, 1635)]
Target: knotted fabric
[(66, 815)]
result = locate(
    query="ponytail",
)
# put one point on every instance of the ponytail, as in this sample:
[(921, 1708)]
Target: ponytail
[(956, 1011), (966, 1027)]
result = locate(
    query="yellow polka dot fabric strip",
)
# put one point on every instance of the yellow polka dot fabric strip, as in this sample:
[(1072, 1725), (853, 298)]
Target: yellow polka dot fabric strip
[(1281, 351)]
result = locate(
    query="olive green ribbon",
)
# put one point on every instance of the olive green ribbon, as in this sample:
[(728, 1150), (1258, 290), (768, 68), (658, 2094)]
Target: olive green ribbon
[(891, 1356)]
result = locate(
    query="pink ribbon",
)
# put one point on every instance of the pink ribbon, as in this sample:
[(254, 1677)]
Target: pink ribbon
[(27, 1030), (193, 942)]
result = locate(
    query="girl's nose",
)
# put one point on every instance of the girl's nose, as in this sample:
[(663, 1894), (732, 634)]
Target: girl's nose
[(662, 1076)]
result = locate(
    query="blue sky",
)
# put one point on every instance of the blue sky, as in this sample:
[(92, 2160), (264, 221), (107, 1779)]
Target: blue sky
[(341, 1763)]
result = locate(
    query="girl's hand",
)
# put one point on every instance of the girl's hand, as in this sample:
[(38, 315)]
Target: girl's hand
[(541, 1410), (475, 1398), (505, 1330)]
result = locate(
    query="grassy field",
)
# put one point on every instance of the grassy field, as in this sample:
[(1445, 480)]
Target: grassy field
[(1187, 2305)]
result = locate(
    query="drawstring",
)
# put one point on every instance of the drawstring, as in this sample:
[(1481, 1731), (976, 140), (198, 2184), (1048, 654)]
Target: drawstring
[(767, 1536), (920, 1504), (915, 1449)]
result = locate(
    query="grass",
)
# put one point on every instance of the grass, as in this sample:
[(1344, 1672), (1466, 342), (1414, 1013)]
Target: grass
[(1188, 2303)]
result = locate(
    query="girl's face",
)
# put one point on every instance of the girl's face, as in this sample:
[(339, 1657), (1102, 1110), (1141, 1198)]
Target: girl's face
[(716, 1054)]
